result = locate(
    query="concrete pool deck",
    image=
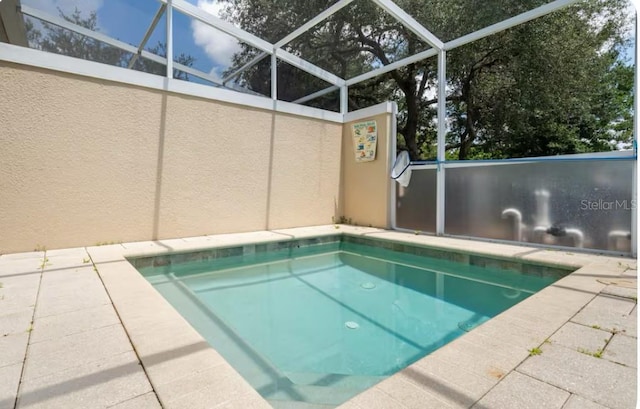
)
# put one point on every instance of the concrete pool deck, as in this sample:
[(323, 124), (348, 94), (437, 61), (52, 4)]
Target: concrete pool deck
[(81, 328)]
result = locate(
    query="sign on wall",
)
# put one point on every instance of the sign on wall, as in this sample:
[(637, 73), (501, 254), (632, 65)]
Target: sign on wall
[(365, 139)]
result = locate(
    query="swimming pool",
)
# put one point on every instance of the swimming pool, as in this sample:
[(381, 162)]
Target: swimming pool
[(316, 321)]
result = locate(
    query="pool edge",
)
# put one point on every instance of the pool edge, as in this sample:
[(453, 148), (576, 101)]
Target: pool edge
[(139, 307)]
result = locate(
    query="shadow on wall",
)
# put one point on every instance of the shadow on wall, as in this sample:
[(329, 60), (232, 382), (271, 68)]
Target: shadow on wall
[(106, 163), (272, 138), (159, 168)]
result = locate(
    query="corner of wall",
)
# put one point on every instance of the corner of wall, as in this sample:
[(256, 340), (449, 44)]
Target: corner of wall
[(365, 186)]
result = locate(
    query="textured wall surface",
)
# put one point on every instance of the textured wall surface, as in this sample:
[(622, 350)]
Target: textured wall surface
[(86, 161), (366, 185)]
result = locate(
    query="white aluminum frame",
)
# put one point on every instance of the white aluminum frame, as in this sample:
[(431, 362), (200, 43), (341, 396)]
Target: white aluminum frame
[(190, 10), (274, 77), (393, 66), (409, 22), (250, 39), (62, 63), (442, 132), (136, 51), (509, 23), (636, 130), (245, 67), (393, 147), (317, 94), (267, 48), (270, 49), (147, 34), (344, 99), (311, 23), (58, 21), (308, 67), (295, 34), (364, 113), (450, 45), (170, 63)]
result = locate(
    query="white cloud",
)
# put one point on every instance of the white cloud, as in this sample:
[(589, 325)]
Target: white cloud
[(218, 46)]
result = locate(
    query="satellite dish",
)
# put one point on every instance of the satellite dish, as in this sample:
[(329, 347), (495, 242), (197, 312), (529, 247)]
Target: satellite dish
[(401, 171)]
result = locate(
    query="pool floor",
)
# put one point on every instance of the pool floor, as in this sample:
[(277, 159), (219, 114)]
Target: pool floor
[(319, 326)]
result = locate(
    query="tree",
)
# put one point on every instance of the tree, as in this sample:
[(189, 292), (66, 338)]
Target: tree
[(152, 67), (556, 94), (554, 85), (60, 40)]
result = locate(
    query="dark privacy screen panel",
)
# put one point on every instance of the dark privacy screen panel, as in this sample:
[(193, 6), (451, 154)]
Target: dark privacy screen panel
[(416, 203)]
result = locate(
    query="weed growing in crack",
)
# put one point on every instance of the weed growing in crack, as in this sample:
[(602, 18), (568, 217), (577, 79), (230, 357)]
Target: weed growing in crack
[(535, 351), (597, 354)]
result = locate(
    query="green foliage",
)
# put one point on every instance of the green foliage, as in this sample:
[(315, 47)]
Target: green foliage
[(597, 353), (554, 85), (342, 220), (535, 351), (107, 243), (44, 263), (153, 67), (62, 41), (567, 91)]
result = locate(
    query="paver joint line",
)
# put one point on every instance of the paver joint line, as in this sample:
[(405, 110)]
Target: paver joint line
[(568, 304), (135, 351), (26, 351)]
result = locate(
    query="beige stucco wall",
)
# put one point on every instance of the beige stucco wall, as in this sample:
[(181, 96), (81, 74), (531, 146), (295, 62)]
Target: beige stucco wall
[(366, 185), (86, 161)]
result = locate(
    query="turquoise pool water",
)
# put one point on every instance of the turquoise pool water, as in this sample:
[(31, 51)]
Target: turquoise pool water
[(317, 324)]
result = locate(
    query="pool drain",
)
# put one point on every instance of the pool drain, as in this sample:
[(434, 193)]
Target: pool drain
[(351, 325), (368, 286), (511, 293)]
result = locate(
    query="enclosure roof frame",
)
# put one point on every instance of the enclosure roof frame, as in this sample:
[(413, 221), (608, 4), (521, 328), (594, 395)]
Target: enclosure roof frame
[(266, 48)]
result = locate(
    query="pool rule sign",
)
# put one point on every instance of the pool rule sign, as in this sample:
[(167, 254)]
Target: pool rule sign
[(365, 139)]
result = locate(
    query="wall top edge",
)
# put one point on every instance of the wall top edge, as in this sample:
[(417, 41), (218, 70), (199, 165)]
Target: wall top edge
[(61, 63), (389, 107)]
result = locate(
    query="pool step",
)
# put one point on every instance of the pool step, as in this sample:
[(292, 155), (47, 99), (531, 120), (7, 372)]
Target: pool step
[(317, 390)]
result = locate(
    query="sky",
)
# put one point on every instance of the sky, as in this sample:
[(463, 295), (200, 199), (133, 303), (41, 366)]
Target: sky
[(127, 20)]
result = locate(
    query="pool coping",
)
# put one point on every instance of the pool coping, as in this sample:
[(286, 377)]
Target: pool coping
[(483, 356)]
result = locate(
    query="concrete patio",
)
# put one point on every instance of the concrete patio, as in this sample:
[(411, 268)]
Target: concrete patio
[(79, 328)]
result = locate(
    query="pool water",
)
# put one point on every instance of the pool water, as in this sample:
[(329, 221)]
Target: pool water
[(317, 325)]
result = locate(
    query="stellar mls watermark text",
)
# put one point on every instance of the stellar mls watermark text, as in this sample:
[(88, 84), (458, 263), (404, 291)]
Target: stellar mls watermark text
[(608, 204)]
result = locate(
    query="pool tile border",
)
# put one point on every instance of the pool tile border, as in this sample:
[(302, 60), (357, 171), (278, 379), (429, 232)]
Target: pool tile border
[(227, 251), (527, 267), (456, 375)]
